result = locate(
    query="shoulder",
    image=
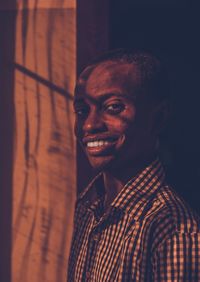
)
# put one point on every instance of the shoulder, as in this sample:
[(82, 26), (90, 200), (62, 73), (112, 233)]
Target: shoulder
[(184, 218), (174, 216)]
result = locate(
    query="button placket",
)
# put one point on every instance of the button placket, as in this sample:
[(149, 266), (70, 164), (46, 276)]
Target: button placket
[(94, 238)]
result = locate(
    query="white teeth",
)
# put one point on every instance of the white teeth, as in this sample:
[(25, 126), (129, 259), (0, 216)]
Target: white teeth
[(97, 143)]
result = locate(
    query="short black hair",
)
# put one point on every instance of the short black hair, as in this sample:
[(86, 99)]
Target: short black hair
[(154, 74)]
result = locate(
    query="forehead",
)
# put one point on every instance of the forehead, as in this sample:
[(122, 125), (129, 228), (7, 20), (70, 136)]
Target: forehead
[(107, 77)]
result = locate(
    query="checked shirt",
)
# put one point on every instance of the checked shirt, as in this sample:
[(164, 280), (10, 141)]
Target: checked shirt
[(148, 234)]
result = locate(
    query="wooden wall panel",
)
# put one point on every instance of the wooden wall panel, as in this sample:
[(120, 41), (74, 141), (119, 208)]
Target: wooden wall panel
[(44, 162)]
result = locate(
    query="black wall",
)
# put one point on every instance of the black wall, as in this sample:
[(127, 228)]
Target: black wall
[(171, 33)]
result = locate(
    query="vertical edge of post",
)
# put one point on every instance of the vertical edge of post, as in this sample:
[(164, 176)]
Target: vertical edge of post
[(7, 43)]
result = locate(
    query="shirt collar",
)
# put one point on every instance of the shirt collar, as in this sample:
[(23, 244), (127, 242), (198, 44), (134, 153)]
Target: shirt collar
[(135, 196)]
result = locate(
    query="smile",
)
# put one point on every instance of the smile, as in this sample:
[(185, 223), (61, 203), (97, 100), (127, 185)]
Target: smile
[(100, 146)]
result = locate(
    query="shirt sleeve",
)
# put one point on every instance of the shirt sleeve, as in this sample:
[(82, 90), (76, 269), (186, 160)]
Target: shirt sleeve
[(178, 259)]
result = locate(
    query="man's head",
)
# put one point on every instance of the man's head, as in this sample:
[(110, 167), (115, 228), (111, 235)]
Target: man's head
[(120, 106)]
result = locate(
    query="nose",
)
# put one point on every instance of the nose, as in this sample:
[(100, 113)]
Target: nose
[(94, 123)]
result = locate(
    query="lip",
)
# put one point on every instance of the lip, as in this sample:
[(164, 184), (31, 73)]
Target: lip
[(94, 138)]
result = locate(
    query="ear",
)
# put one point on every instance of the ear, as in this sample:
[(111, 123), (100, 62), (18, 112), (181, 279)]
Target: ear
[(160, 116)]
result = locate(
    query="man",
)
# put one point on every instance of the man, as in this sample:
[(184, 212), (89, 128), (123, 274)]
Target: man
[(129, 224)]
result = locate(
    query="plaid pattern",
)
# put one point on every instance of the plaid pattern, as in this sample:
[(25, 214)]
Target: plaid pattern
[(148, 234)]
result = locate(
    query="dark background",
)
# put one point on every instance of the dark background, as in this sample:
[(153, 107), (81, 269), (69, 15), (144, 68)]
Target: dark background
[(171, 33)]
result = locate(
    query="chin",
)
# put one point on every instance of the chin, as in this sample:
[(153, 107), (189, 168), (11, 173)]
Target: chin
[(101, 164)]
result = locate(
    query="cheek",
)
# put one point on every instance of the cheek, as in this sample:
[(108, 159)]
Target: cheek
[(123, 122), (116, 125), (76, 128)]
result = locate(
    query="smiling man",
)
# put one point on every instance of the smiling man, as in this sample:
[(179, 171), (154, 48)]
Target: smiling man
[(129, 224)]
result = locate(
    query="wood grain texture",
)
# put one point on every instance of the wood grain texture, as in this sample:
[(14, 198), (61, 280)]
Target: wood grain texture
[(37, 4), (44, 166)]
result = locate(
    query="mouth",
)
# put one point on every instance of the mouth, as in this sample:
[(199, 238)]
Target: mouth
[(100, 146)]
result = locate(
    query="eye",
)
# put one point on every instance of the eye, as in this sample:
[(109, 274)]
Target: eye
[(114, 108), (81, 111)]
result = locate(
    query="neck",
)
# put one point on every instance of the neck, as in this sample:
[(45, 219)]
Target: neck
[(116, 178)]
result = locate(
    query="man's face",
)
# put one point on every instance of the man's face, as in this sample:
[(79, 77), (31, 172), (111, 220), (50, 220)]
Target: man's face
[(112, 125)]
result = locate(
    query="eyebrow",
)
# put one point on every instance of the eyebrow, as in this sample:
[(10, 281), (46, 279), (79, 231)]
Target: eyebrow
[(102, 97)]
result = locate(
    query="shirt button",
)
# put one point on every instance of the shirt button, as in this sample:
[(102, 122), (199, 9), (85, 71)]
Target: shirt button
[(87, 203), (87, 275), (96, 237)]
